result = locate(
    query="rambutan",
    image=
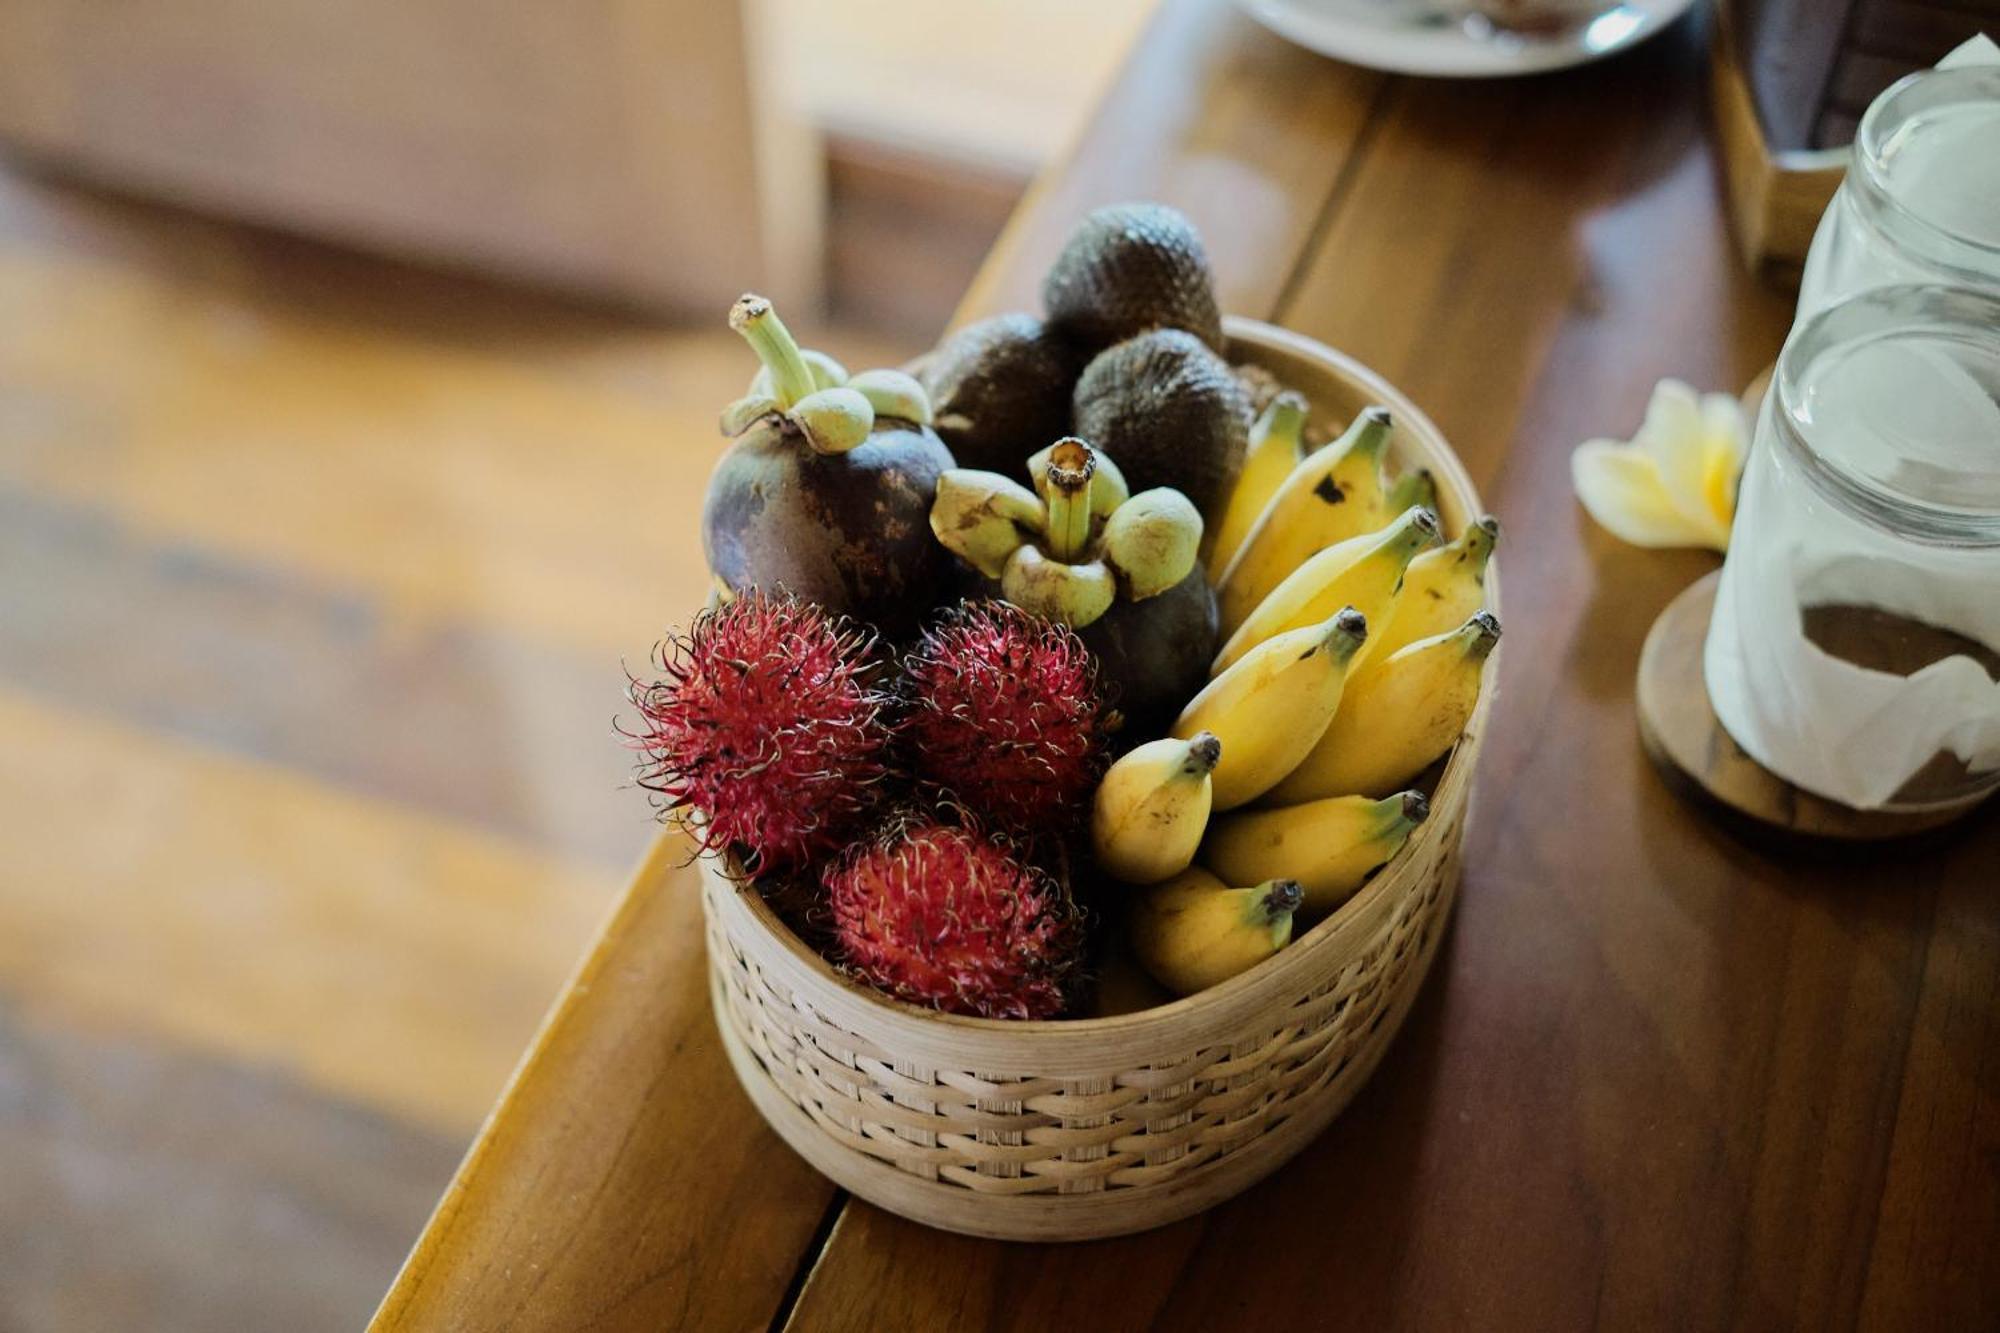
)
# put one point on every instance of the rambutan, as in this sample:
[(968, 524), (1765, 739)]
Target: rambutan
[(766, 729), (946, 915), (1005, 716)]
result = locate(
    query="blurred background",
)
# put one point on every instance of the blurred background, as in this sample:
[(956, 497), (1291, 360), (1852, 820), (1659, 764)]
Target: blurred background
[(359, 366)]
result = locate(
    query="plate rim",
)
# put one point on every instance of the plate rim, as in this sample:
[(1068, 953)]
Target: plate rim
[(1310, 31)]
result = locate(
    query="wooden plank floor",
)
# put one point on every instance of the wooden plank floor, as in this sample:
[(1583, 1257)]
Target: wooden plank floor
[(315, 577)]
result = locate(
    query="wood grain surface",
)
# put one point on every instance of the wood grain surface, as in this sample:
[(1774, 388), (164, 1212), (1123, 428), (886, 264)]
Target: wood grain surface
[(1659, 1078), (316, 573)]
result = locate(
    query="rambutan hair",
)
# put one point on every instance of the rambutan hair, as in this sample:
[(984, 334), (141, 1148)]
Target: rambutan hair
[(1003, 714), (944, 914), (765, 730)]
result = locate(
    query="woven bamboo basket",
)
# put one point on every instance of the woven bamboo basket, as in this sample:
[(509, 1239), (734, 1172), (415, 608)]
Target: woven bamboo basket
[(1083, 1128)]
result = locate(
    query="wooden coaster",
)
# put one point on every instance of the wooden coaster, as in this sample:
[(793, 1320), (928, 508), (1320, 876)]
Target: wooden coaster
[(1700, 759)]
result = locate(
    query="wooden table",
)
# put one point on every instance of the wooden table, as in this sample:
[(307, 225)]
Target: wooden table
[(1659, 1078)]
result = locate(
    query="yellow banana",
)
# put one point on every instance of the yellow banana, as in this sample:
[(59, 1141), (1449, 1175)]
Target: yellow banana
[(1440, 589), (1151, 808), (1336, 493), (1361, 572), (1194, 931), (1330, 847), (1413, 488), (1277, 445), (1404, 711), (1272, 706)]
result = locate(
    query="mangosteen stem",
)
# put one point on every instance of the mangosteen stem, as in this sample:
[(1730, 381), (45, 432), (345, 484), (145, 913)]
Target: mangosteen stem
[(758, 322), (1072, 464)]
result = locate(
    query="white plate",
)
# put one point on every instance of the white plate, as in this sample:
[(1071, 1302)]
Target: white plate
[(1434, 37)]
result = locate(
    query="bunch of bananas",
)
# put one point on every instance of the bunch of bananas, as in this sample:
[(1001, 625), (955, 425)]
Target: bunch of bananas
[(1354, 641)]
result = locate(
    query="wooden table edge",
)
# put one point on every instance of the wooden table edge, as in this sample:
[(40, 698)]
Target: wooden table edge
[(598, 953)]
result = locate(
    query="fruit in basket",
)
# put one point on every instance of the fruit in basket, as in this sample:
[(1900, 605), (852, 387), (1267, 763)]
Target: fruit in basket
[(1152, 541), (1169, 412), (1119, 568), (1149, 812), (1401, 713), (1330, 847), (1000, 389), (1362, 572), (765, 730), (1002, 712), (945, 915), (1128, 268), (1121, 985), (1277, 445), (1336, 493), (1260, 386), (826, 487), (1271, 708), (1415, 488), (1194, 931), (1440, 589), (1156, 651)]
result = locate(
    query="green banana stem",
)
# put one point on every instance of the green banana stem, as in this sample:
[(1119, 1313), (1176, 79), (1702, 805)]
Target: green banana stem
[(1071, 466), (1370, 433), (1481, 634), (1285, 418), (791, 378), (1345, 633)]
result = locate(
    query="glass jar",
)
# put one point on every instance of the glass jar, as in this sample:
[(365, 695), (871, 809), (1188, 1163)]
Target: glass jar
[(1921, 199), (1855, 644)]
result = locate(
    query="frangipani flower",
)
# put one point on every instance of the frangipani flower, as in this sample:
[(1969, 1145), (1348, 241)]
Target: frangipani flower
[(1675, 483)]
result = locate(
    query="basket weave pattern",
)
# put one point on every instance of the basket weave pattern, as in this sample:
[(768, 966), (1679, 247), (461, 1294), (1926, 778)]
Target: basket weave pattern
[(1013, 1132)]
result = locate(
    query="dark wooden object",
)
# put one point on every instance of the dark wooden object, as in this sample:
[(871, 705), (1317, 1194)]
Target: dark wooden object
[(1791, 81), (1659, 1079)]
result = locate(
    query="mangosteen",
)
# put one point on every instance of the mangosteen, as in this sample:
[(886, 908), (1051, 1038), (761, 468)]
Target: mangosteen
[(1128, 268), (1170, 411), (999, 390), (1154, 652), (1119, 568), (826, 488)]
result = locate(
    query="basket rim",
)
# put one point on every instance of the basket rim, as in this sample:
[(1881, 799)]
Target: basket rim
[(1246, 990)]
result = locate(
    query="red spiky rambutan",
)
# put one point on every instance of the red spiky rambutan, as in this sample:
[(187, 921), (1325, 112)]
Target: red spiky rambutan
[(1004, 714), (765, 729), (946, 915)]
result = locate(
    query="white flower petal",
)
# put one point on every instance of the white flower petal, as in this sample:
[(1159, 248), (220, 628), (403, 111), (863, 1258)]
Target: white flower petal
[(1675, 437), (1673, 418), (1620, 486)]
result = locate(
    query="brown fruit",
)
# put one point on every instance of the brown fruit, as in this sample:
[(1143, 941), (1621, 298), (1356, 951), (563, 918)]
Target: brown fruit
[(1169, 412), (1000, 390), (1128, 268), (1150, 653), (849, 531)]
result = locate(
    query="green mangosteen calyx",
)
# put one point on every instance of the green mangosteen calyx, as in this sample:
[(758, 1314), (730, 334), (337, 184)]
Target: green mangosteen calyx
[(1076, 543), (835, 411)]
